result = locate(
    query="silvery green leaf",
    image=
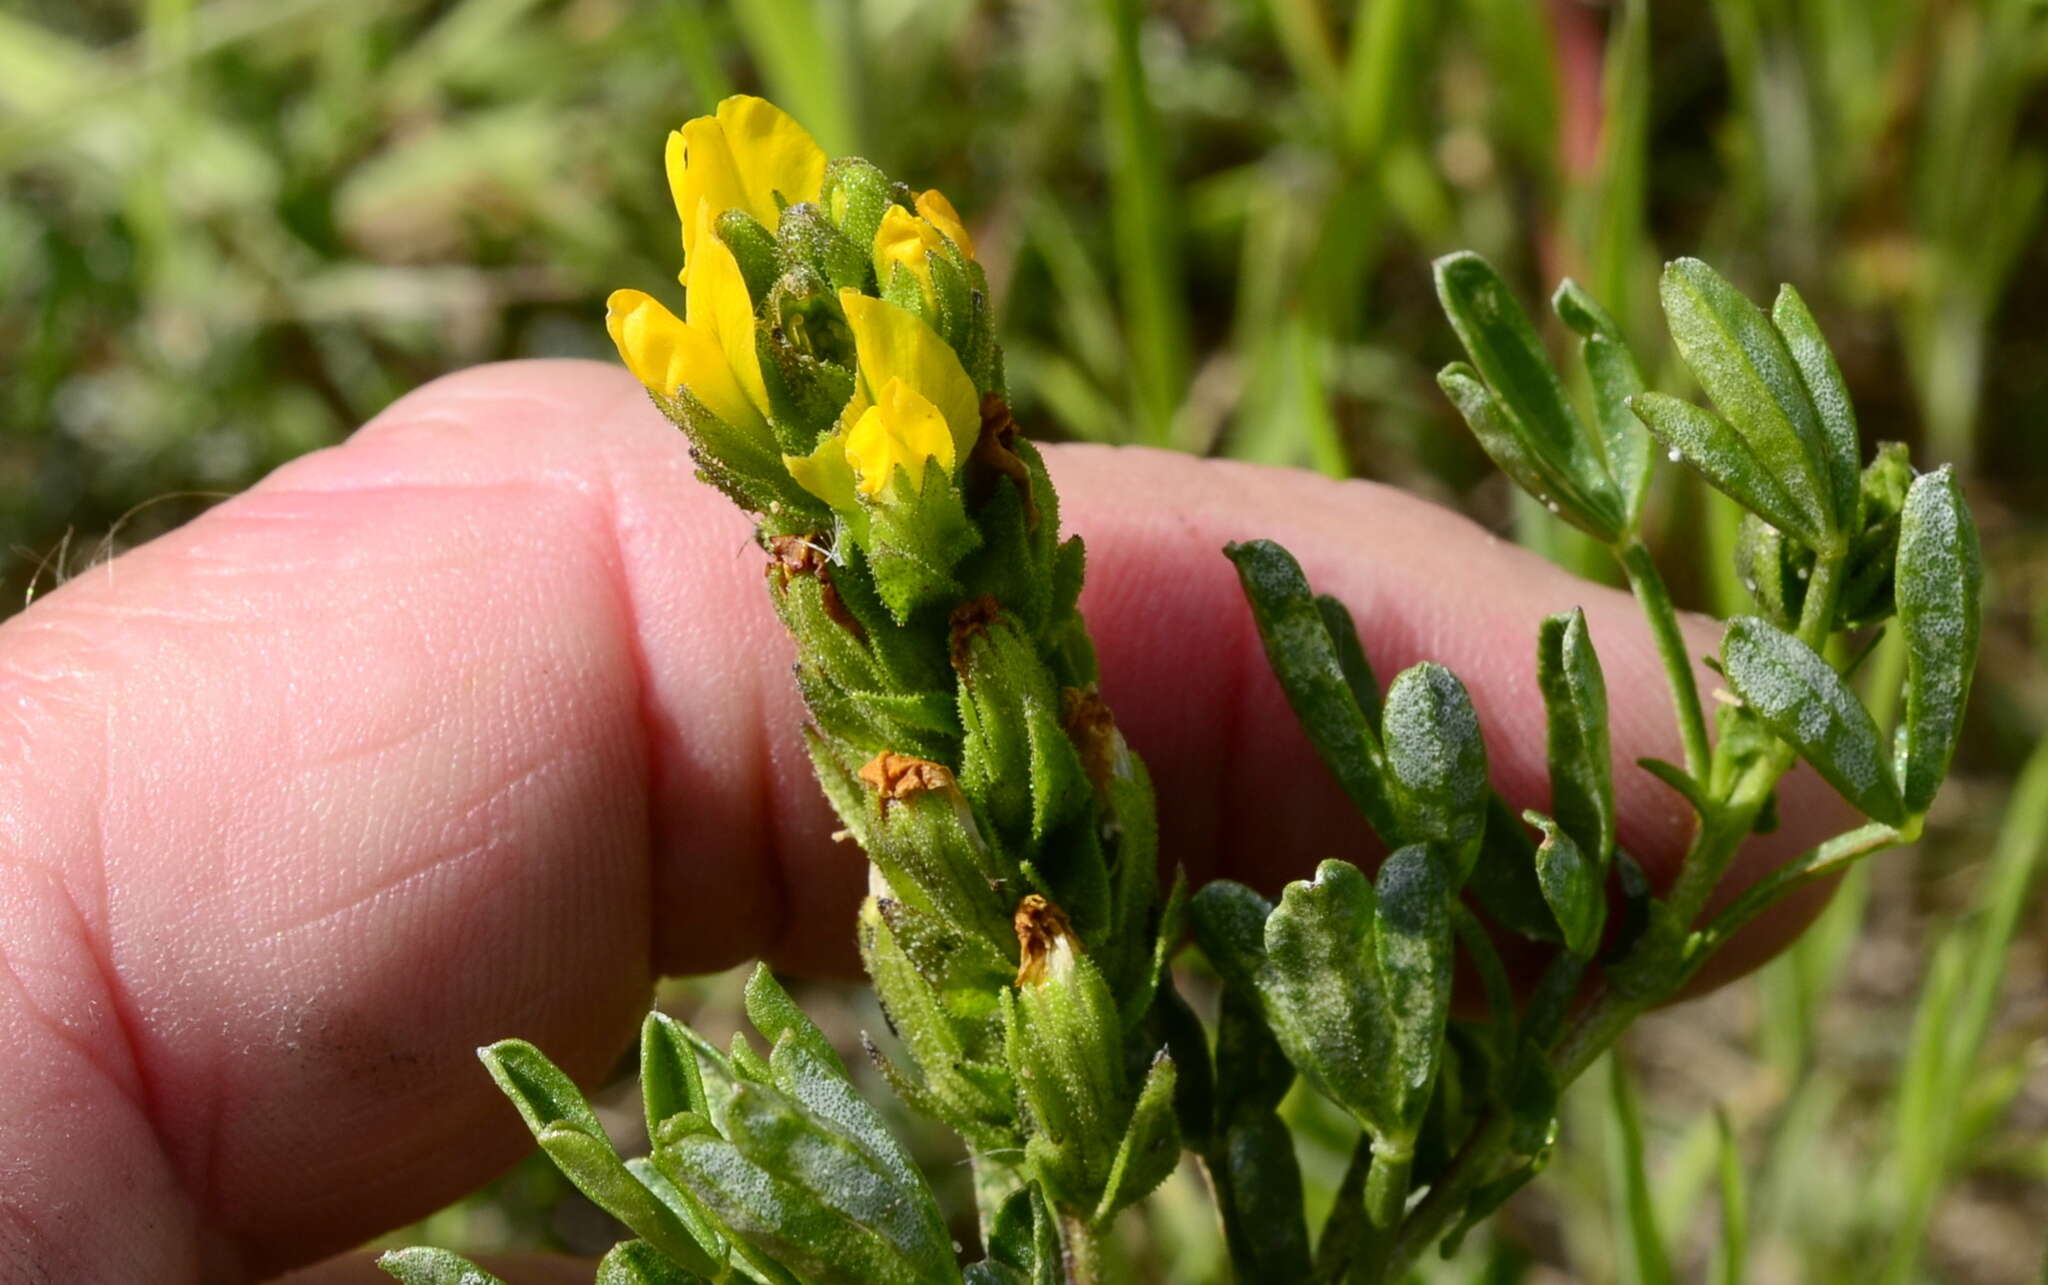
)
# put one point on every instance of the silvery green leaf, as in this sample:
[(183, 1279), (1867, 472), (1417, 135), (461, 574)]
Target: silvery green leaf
[(778, 1018), (1351, 658), (1503, 879), (669, 1078), (1322, 994), (1939, 581), (1804, 701), (1436, 760), (1259, 1200), (1575, 702), (1525, 422), (1829, 395), (1712, 445), (1611, 367), (784, 1229), (1151, 1145), (1769, 564), (635, 1262), (1743, 363), (423, 1266), (1572, 885), (537, 1087), (1314, 671), (1412, 946), (596, 1170), (1229, 920), (702, 1226)]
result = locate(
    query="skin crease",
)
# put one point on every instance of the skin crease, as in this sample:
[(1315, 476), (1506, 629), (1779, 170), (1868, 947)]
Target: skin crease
[(384, 760)]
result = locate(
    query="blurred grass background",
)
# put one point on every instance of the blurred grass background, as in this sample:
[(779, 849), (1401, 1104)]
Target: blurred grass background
[(230, 230)]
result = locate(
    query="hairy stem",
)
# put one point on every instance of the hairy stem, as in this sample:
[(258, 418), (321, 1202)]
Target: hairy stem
[(1080, 1250)]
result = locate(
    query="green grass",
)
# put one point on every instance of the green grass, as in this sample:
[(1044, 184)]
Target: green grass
[(230, 230)]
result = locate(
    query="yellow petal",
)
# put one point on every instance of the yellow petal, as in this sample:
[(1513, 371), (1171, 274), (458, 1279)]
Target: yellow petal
[(890, 343), (939, 212), (774, 155), (702, 175), (826, 473), (668, 356), (906, 239), (903, 429), (716, 302)]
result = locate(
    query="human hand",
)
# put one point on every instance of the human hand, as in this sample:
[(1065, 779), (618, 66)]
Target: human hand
[(472, 726)]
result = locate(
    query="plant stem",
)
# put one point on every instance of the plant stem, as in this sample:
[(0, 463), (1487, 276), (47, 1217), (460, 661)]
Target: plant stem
[(1080, 1250), (1649, 588), (1445, 1201)]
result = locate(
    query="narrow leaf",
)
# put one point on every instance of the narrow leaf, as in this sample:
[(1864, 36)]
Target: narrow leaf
[(1804, 701), (1939, 580), (1830, 398), (1230, 925), (1365, 689), (669, 1078), (538, 1088), (1575, 701), (1743, 363), (1612, 368), (1529, 397), (1711, 445), (1412, 945), (1571, 885), (596, 1170), (1312, 672)]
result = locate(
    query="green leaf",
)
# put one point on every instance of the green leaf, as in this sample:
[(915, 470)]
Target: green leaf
[(1358, 675), (1829, 395), (1651, 1260), (1524, 420), (1743, 363), (424, 1266), (669, 1078), (538, 1088), (1323, 997), (1503, 880), (1017, 762), (1259, 1199), (1023, 1243), (1713, 446), (778, 1018), (1229, 920), (1616, 378), (1572, 885), (1315, 673), (785, 1228), (1575, 701), (1938, 584), (1804, 702), (1151, 1145), (596, 1170), (635, 1262), (1412, 946), (1436, 760)]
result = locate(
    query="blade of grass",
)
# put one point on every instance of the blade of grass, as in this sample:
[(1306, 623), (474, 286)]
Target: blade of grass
[(803, 55), (1955, 1017), (1647, 1260), (1147, 233), (1732, 1251)]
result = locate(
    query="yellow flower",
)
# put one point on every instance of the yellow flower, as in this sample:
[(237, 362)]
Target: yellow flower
[(751, 155), (906, 238), (902, 429), (711, 353), (939, 212), (903, 368)]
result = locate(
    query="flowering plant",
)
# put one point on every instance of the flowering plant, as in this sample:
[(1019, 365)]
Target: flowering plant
[(836, 374)]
